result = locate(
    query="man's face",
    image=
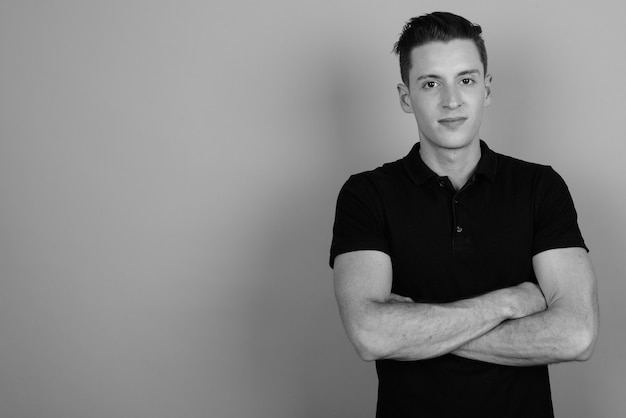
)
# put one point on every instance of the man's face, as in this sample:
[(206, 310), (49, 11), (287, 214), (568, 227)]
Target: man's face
[(447, 93)]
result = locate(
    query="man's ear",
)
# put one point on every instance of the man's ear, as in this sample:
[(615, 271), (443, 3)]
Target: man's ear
[(405, 99), (488, 79)]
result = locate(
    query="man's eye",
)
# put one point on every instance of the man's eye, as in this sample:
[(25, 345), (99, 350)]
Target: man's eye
[(430, 84), (467, 81)]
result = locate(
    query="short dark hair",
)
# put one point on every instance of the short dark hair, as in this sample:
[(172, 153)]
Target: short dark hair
[(436, 26)]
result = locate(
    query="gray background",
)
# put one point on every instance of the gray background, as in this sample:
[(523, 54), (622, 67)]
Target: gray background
[(168, 176)]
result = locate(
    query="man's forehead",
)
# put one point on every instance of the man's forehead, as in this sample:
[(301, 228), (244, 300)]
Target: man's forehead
[(457, 55)]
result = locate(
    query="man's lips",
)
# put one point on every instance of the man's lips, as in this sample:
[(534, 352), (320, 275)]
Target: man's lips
[(452, 120), (452, 123)]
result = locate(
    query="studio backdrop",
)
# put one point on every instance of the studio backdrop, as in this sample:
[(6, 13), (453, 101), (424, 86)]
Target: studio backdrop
[(168, 178)]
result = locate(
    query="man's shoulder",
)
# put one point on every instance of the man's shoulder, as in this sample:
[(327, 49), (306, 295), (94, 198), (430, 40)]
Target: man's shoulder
[(516, 167), (385, 183), (536, 178), (507, 161), (388, 172)]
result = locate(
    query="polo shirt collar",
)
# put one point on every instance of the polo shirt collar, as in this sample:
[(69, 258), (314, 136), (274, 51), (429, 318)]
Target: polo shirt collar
[(420, 172)]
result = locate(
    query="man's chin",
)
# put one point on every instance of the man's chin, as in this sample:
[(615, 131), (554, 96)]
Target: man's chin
[(451, 144)]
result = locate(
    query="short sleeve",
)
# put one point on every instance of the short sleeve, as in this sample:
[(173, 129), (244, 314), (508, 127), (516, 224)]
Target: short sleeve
[(556, 221), (359, 219)]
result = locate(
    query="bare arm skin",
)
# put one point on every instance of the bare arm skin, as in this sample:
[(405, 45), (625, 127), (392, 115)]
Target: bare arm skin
[(566, 331), (383, 327)]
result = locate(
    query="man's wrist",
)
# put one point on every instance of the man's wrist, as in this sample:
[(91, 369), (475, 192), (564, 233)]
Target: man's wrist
[(506, 303)]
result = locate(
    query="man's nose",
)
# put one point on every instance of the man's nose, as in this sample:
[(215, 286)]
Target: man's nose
[(451, 98)]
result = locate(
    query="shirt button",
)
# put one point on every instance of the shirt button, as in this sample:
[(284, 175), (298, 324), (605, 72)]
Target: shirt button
[(441, 184), (459, 229)]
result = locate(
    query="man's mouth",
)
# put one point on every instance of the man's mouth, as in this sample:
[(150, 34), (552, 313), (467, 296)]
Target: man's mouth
[(455, 119), (452, 122)]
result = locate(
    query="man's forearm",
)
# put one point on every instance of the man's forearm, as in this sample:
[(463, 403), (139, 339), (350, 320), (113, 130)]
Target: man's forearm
[(415, 331), (552, 336)]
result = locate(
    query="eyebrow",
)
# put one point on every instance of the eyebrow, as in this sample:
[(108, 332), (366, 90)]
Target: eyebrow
[(437, 77)]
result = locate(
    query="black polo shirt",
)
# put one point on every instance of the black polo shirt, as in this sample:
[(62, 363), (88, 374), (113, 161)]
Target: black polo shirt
[(447, 245)]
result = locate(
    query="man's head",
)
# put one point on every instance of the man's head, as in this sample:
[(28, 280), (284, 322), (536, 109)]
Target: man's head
[(437, 26), (443, 62)]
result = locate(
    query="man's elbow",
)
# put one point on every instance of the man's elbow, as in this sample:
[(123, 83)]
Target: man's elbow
[(369, 340), (368, 346), (582, 343), (577, 332), (366, 354), (368, 337), (586, 344)]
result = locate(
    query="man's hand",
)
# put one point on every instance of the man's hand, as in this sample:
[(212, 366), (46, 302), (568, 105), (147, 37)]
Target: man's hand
[(393, 298)]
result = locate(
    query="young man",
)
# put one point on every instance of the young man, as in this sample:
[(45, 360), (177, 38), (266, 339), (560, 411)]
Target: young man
[(462, 272)]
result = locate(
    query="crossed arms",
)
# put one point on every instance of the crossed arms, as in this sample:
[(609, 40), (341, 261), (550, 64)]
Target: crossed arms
[(519, 326)]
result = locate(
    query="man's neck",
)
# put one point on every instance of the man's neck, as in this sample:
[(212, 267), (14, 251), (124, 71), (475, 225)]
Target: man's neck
[(456, 164)]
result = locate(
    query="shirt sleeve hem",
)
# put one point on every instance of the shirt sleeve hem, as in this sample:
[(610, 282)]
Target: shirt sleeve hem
[(553, 245), (363, 247)]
